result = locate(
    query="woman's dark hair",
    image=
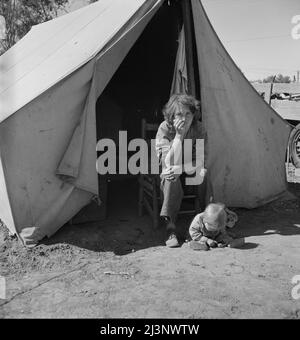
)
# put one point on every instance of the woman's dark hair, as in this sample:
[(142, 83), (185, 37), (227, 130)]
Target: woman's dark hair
[(178, 101)]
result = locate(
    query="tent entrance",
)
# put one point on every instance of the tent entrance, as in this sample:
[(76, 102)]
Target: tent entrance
[(139, 89)]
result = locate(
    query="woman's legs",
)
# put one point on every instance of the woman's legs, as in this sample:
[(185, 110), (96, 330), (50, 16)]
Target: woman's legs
[(172, 197)]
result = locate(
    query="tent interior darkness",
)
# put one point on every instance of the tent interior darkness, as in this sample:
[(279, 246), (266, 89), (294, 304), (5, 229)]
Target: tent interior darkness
[(138, 89), (141, 85)]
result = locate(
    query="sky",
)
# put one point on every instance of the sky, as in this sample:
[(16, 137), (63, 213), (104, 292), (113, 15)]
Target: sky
[(258, 34)]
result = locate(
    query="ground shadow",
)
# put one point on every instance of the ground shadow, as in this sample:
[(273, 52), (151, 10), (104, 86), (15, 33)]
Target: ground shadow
[(248, 245), (124, 231), (280, 217)]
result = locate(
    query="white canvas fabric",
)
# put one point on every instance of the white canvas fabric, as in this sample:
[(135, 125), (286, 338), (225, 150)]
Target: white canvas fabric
[(246, 139), (47, 134), (50, 81)]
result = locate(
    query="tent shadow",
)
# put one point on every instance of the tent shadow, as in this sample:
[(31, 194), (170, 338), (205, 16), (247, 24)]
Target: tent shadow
[(263, 229), (268, 220), (123, 236), (124, 232), (119, 236)]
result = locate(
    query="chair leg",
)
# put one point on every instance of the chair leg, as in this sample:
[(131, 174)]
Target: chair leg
[(155, 206), (201, 195), (197, 206), (155, 222)]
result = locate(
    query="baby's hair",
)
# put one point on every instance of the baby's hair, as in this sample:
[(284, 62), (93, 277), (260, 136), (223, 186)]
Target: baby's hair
[(215, 207), (216, 212)]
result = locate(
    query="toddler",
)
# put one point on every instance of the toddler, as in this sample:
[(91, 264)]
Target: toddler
[(208, 229)]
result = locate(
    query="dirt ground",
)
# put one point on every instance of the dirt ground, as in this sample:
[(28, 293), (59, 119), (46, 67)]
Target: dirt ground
[(120, 268)]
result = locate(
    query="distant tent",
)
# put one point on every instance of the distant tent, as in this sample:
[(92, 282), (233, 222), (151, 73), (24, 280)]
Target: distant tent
[(49, 86)]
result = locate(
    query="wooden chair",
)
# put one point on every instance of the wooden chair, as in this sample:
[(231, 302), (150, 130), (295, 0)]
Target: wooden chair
[(150, 195)]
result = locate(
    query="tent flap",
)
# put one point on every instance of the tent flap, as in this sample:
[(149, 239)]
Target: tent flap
[(48, 122), (246, 140)]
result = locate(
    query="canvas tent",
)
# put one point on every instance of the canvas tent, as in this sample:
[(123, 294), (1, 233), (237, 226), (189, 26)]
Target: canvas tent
[(49, 86)]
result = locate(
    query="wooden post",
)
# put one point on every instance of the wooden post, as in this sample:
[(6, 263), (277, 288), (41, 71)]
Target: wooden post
[(271, 90)]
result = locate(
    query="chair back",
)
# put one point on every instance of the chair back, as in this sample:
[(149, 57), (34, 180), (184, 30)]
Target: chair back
[(148, 129)]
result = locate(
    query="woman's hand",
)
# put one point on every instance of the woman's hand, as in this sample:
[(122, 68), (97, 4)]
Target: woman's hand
[(173, 172), (180, 127)]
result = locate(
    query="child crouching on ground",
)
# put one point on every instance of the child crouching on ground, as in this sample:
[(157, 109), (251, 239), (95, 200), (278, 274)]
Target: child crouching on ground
[(208, 229)]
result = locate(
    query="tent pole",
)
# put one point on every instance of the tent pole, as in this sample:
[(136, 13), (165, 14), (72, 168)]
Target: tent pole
[(205, 189), (187, 22)]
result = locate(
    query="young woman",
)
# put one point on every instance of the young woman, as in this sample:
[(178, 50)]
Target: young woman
[(181, 114)]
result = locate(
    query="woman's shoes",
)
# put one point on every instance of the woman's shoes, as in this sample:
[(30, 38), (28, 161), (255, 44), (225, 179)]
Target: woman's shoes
[(172, 241)]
